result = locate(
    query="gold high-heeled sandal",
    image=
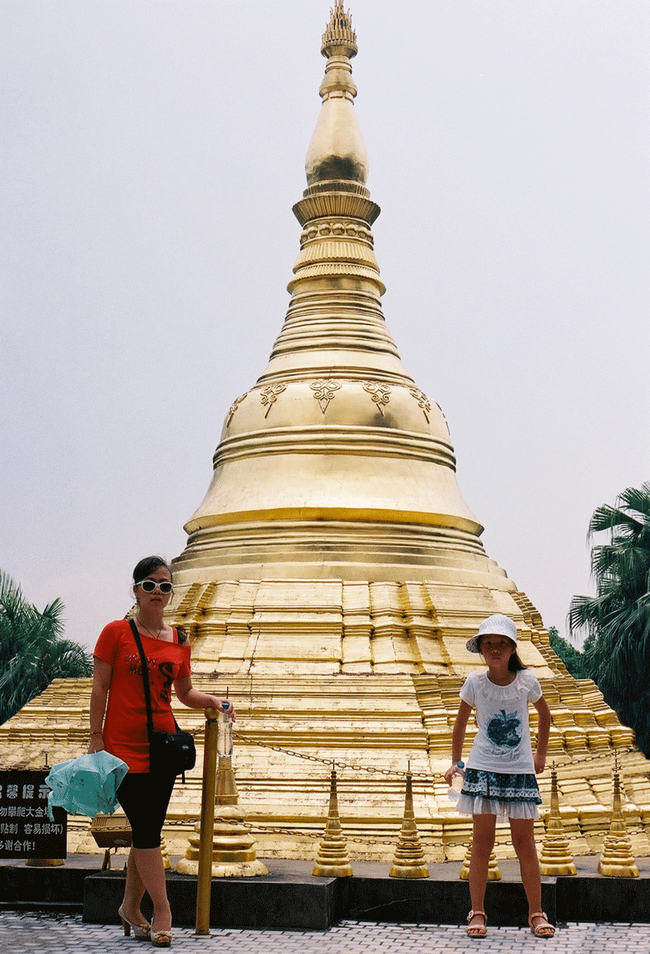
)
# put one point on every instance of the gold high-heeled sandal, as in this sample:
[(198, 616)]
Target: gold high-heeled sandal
[(141, 932), (161, 938)]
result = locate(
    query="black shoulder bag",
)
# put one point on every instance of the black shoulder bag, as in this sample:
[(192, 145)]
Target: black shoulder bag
[(170, 753)]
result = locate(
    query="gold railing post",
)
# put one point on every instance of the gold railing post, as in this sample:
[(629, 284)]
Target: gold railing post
[(617, 860), (555, 858), (208, 794), (332, 858), (221, 827), (409, 860)]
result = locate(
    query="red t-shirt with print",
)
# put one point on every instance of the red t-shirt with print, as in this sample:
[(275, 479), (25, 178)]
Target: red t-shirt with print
[(125, 725)]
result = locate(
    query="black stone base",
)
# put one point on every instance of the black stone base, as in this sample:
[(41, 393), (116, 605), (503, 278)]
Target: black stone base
[(588, 896), (290, 898), (58, 888), (440, 901)]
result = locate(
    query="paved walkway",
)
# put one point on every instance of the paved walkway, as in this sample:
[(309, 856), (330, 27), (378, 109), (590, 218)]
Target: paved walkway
[(66, 934)]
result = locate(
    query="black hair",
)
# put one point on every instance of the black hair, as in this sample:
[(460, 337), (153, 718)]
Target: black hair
[(147, 566), (514, 663)]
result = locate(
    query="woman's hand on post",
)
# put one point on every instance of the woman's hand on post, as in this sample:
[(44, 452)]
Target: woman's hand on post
[(224, 705)]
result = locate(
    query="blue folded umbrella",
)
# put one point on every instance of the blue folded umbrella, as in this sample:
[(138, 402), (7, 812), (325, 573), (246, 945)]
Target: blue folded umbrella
[(86, 785)]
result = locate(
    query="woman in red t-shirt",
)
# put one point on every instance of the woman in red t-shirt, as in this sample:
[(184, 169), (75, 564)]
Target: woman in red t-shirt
[(121, 728)]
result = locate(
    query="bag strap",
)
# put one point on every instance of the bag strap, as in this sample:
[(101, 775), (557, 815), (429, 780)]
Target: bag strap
[(147, 688), (145, 680)]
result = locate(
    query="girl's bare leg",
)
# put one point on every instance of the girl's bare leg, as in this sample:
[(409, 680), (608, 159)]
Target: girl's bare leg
[(523, 841), (482, 845)]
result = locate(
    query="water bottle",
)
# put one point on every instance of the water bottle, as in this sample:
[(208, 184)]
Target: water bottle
[(456, 782), (224, 733)]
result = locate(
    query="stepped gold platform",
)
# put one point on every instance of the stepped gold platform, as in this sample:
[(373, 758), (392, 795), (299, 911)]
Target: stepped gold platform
[(291, 726)]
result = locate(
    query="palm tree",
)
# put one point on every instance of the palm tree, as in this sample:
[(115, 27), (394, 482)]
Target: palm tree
[(617, 619), (32, 652), (576, 661)]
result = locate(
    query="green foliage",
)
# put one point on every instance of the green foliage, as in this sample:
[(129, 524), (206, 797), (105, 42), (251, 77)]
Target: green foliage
[(576, 661), (32, 652), (617, 619)]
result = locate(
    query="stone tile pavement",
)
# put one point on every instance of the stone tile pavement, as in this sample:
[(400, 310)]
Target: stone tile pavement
[(67, 934)]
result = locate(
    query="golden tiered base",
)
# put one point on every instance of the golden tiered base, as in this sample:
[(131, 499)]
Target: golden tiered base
[(396, 703)]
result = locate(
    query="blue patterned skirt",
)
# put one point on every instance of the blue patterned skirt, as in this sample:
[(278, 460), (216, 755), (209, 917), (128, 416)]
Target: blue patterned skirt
[(494, 793)]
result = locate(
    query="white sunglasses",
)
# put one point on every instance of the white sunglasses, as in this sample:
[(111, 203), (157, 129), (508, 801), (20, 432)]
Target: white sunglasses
[(150, 586)]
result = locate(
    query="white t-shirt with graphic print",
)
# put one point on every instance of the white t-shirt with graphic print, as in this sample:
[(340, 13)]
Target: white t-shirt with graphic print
[(502, 743)]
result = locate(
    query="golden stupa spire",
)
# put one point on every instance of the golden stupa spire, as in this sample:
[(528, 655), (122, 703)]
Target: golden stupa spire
[(337, 150), (335, 462)]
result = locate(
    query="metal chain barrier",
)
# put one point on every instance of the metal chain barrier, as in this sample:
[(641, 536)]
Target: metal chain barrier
[(332, 763), (242, 737), (559, 762)]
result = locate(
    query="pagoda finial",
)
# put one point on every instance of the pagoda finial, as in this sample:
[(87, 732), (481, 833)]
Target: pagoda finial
[(336, 151), (339, 37)]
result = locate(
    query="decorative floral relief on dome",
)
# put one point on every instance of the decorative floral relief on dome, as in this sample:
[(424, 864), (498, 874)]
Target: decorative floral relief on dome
[(270, 395), (233, 407), (379, 392), (324, 392), (423, 401)]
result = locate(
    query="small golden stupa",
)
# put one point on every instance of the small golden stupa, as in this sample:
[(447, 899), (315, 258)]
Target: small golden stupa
[(333, 572)]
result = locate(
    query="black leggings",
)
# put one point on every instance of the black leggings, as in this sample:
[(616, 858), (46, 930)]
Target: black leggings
[(145, 798)]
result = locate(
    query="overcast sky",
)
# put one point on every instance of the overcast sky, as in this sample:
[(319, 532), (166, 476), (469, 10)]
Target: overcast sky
[(152, 150)]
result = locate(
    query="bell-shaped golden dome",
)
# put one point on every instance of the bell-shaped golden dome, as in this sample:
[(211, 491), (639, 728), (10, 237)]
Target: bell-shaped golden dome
[(335, 463)]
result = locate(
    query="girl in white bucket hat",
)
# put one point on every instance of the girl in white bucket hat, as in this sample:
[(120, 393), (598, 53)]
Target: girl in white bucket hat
[(500, 776)]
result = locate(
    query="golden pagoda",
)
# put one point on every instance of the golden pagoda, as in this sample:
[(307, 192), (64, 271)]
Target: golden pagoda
[(333, 572)]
